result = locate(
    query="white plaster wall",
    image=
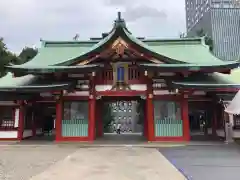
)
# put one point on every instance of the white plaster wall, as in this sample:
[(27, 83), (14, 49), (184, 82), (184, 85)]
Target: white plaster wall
[(220, 133), (78, 93), (27, 133), (8, 134), (162, 92), (103, 87), (236, 134), (138, 87), (209, 130), (199, 93), (39, 131), (7, 103)]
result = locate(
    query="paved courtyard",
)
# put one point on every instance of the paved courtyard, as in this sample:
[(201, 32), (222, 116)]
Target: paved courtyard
[(198, 162), (23, 162), (61, 162)]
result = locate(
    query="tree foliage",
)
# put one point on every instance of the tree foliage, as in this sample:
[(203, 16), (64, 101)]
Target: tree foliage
[(107, 117), (208, 39), (140, 111), (27, 54), (7, 57), (182, 35)]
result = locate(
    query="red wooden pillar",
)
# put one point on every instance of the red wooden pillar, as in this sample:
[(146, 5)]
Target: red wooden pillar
[(91, 125), (21, 120), (150, 111), (58, 123), (92, 110), (185, 117), (150, 118)]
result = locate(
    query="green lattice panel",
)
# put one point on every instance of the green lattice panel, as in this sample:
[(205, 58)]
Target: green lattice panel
[(168, 128), (74, 128)]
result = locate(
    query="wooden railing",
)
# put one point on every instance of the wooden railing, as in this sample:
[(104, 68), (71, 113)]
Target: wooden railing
[(7, 115), (134, 76), (105, 77), (6, 124)]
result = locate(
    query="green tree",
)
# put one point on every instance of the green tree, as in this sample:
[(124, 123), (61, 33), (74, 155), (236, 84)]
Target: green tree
[(182, 35), (140, 111), (208, 39), (26, 55), (6, 57), (107, 117)]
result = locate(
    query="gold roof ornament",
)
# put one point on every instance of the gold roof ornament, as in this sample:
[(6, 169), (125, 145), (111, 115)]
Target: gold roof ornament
[(119, 46)]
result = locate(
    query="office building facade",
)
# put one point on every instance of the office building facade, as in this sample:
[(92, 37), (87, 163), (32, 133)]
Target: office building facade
[(219, 19)]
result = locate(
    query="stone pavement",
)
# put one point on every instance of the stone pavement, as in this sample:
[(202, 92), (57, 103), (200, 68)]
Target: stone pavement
[(24, 162), (206, 162), (108, 163)]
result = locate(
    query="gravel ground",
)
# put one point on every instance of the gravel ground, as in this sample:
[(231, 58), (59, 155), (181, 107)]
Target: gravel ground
[(23, 162)]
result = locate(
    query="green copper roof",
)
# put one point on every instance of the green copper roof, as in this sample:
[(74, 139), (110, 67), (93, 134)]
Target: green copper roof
[(189, 67), (28, 83), (211, 81), (45, 69), (175, 51)]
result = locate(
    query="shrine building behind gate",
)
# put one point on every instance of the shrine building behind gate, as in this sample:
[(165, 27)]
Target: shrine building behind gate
[(170, 78)]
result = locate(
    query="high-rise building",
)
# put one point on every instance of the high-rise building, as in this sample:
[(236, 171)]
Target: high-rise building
[(219, 19)]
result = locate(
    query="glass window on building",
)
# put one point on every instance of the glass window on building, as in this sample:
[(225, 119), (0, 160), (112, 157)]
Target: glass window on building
[(75, 110), (167, 110)]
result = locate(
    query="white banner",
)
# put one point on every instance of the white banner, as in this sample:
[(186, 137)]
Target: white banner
[(16, 118)]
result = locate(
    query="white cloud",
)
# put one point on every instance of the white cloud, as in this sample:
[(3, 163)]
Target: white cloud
[(25, 22)]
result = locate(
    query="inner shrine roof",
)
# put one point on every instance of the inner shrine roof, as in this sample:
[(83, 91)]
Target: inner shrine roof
[(29, 83), (44, 69), (210, 81), (182, 51)]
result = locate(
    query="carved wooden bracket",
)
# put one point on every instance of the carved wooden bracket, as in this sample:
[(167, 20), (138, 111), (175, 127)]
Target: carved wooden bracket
[(119, 46)]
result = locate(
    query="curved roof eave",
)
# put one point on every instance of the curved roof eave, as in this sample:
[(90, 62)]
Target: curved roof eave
[(119, 30), (35, 88), (204, 86), (96, 48), (144, 47), (193, 67), (209, 81), (28, 83), (53, 69)]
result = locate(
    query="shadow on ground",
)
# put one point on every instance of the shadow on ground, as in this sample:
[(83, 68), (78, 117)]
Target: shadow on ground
[(206, 162)]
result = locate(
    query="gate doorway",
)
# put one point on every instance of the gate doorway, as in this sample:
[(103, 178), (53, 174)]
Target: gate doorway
[(122, 119), (200, 121), (41, 115)]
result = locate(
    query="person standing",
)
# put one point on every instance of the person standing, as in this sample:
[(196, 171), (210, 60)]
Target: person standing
[(118, 128)]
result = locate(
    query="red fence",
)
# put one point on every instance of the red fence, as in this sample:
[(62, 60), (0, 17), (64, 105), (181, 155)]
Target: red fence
[(106, 76)]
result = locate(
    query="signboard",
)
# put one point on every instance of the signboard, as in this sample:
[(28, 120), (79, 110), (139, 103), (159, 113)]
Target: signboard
[(16, 118)]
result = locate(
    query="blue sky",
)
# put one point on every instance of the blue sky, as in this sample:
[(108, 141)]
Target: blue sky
[(24, 22)]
